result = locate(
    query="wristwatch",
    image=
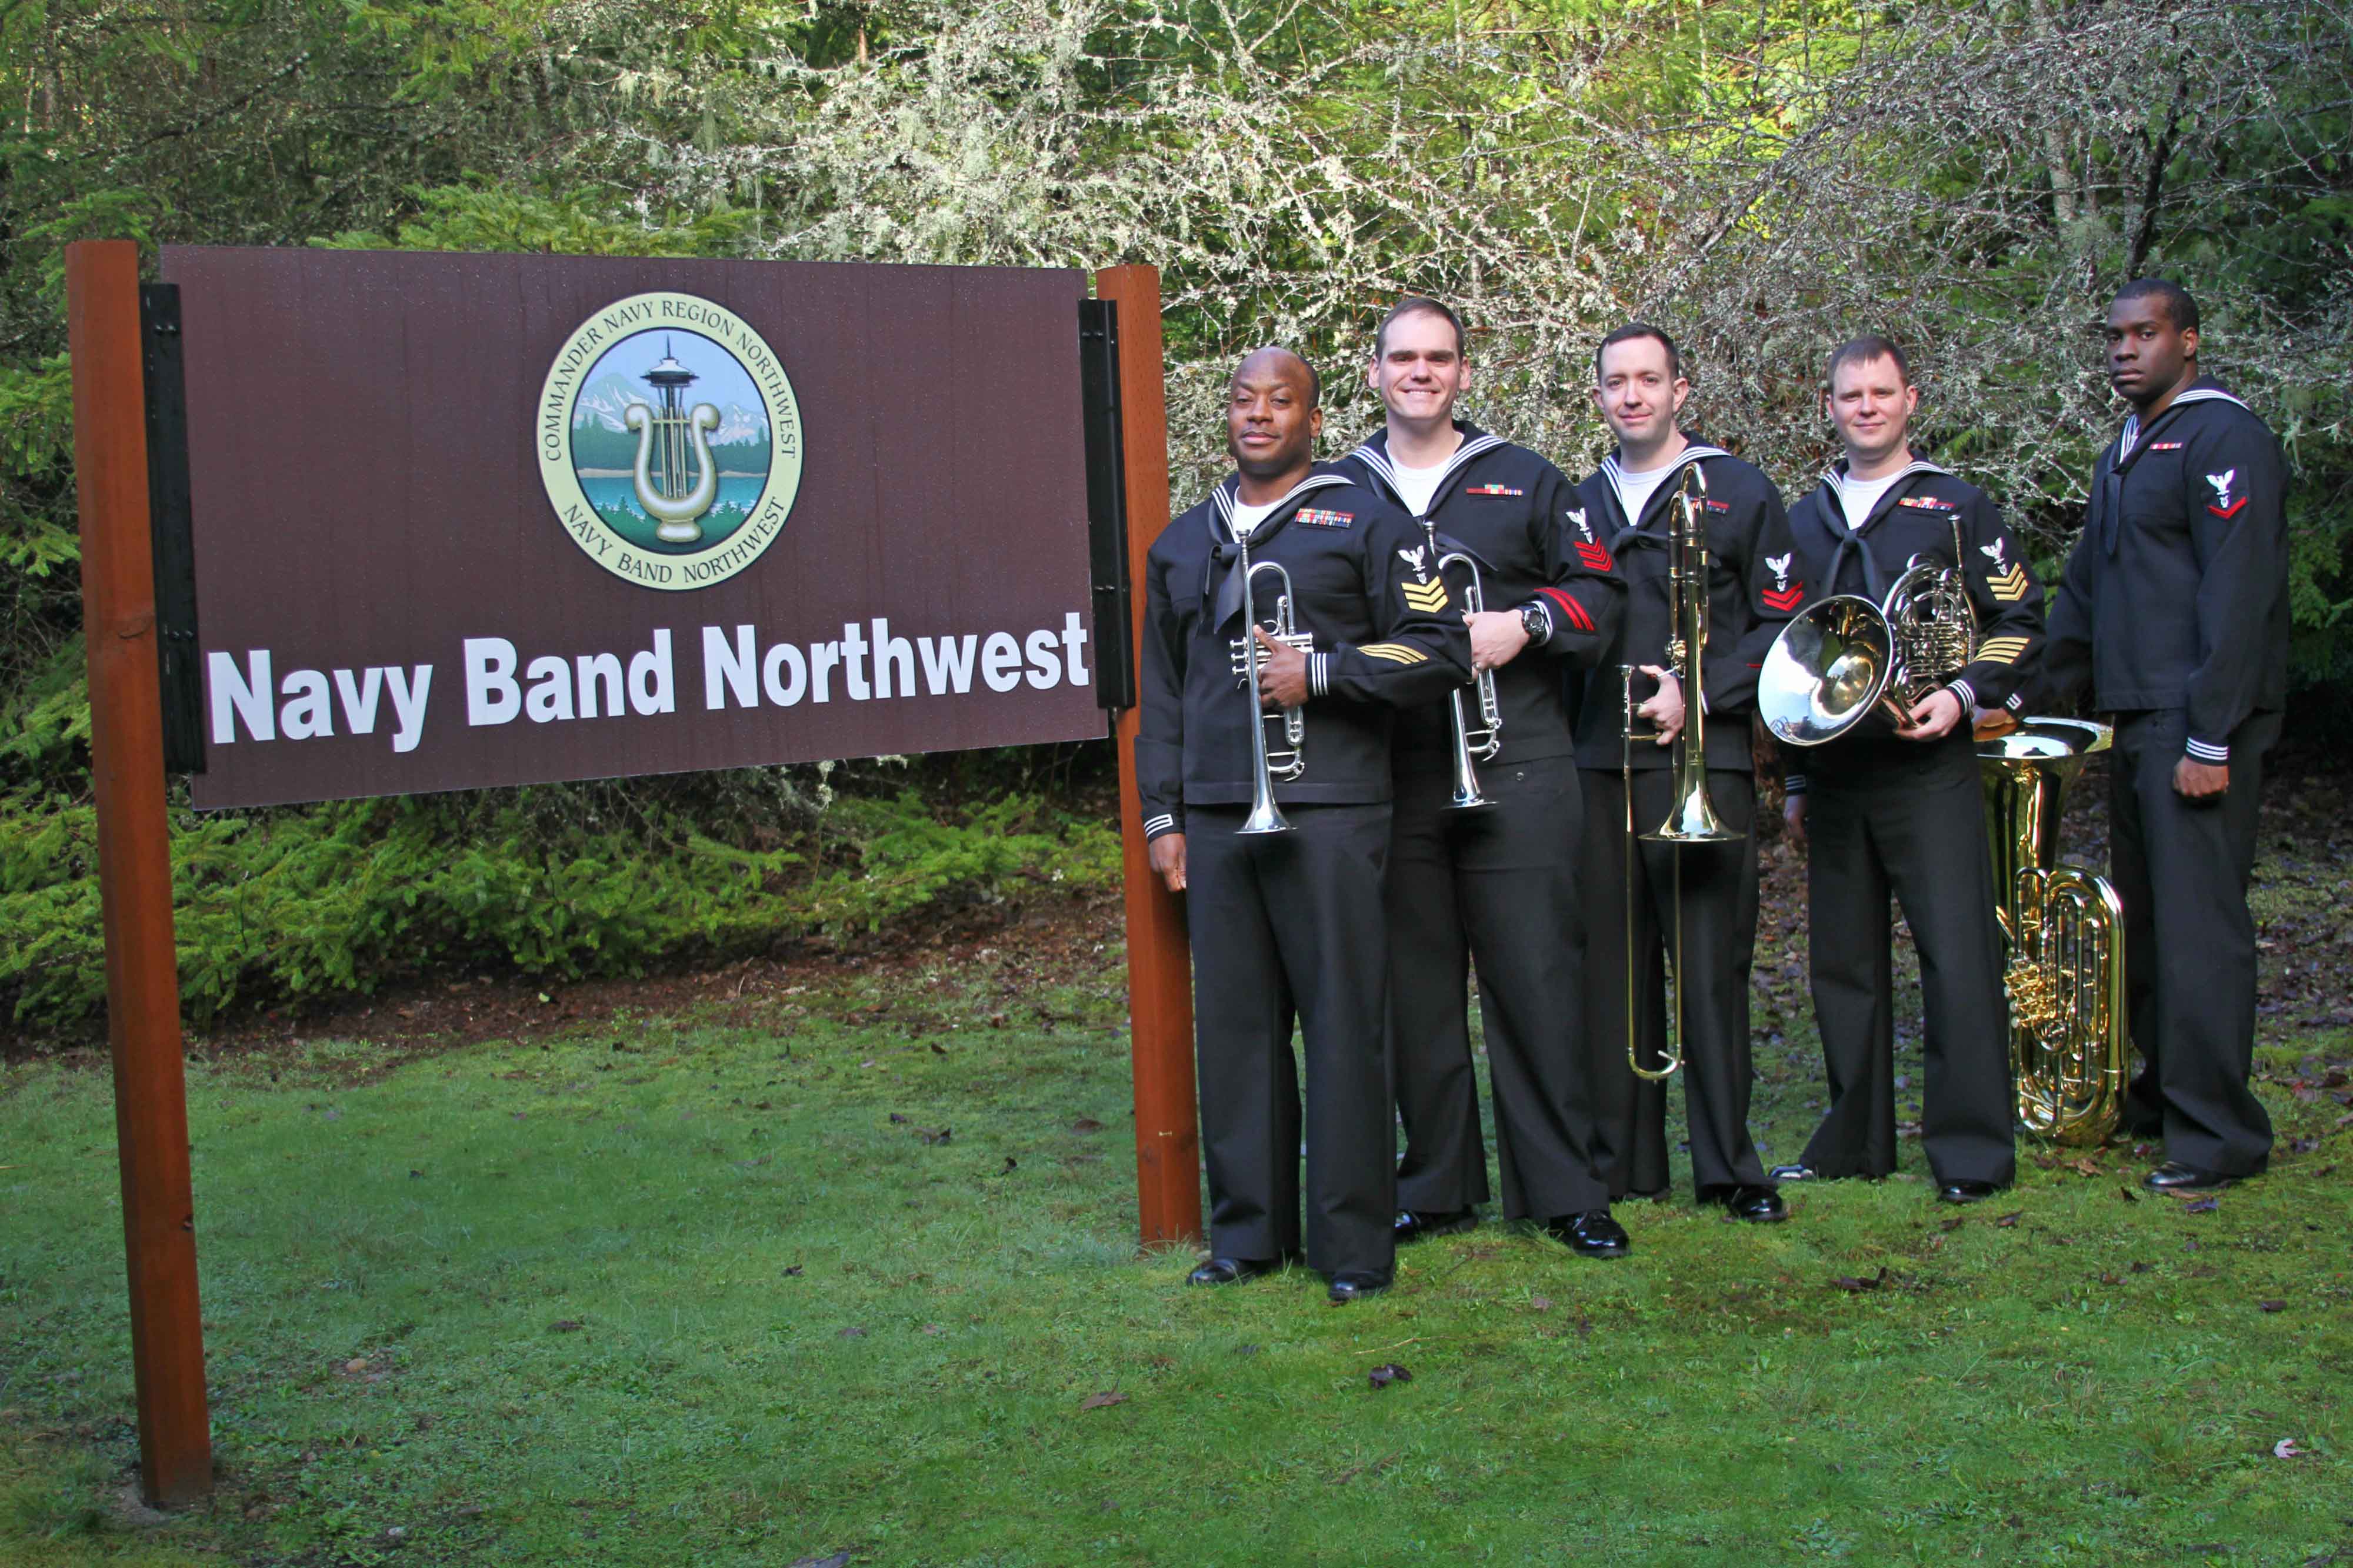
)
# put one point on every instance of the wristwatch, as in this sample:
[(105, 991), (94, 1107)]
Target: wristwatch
[(1535, 621)]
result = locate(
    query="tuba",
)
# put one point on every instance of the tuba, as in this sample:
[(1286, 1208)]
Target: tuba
[(1480, 745), (1691, 817), (1269, 764), (2069, 1039), (1844, 657)]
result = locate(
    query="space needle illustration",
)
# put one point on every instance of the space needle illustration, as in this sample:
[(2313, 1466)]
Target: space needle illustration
[(670, 445)]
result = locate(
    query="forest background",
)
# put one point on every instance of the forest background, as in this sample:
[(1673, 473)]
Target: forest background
[(1766, 178)]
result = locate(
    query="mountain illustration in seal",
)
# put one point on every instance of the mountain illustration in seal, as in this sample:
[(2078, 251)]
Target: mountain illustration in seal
[(601, 439)]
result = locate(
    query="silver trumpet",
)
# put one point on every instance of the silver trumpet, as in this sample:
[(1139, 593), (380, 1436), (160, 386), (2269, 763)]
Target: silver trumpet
[(1481, 743), (1269, 765)]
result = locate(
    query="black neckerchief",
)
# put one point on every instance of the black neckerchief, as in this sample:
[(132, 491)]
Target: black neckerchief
[(1631, 531), (2107, 497), (1227, 553), (1849, 541)]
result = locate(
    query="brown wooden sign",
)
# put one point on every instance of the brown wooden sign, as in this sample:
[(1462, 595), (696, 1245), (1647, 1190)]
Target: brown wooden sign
[(463, 521)]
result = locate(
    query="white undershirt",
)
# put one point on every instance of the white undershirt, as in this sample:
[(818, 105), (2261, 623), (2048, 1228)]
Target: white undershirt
[(1248, 518), (1416, 486), (1860, 497), (1634, 492)]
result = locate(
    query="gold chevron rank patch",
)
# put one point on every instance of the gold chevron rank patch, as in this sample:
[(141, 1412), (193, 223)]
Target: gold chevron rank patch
[(1427, 598), (2010, 586), (1395, 652), (2001, 650)]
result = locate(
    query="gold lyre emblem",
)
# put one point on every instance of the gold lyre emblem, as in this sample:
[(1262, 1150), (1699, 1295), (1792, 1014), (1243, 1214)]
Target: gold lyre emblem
[(672, 441)]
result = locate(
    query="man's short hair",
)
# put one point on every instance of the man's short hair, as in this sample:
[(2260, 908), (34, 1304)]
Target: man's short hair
[(2179, 308), (1315, 382), (1630, 332), (1419, 305), (1864, 350)]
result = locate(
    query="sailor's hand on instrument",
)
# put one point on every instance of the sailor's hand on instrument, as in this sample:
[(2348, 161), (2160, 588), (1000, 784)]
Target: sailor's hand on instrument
[(1793, 817), (1933, 716), (1168, 853), (1496, 637), (1666, 710), (2194, 780), (1281, 672)]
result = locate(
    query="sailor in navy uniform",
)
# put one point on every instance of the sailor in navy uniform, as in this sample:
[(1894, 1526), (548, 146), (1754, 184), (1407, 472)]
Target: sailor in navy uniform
[(2174, 611), (1624, 510), (1288, 924), (1499, 882), (1882, 810)]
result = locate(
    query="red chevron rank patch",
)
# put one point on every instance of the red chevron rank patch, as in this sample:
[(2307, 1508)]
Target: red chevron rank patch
[(1784, 598), (1595, 556), (2228, 511)]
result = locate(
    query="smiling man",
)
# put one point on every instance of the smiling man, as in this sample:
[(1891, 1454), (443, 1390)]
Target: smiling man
[(1497, 883), (1627, 508), (2174, 611), (1287, 923), (1886, 811)]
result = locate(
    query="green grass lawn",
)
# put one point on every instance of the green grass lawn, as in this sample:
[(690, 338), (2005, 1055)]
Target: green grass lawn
[(849, 1266)]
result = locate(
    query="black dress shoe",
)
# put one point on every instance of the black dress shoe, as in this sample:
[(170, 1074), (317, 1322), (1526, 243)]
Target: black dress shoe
[(1229, 1270), (1756, 1204), (1967, 1192), (1794, 1174), (2173, 1176), (1413, 1226), (1592, 1234), (1347, 1287)]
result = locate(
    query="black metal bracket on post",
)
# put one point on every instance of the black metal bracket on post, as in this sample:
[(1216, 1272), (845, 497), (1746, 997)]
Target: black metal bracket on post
[(172, 529), (1106, 501)]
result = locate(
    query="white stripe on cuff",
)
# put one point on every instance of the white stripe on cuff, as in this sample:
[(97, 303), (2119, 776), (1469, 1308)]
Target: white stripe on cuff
[(1966, 692), (2208, 753), (1319, 673), (1158, 825), (1794, 785)]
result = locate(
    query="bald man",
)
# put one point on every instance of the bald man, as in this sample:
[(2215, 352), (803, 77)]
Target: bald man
[(1289, 925)]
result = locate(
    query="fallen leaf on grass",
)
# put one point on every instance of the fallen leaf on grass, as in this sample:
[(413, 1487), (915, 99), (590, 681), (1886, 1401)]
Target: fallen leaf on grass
[(839, 1560), (2289, 1449), (2203, 1206), (1541, 1303), (565, 1326), (1387, 1372), (2009, 1221), (1086, 1124), (897, 1119), (2128, 1195), (2142, 1267), (2273, 1306), (1853, 1286), (928, 1136), (853, 1332), (357, 1363), (2087, 1166), (2302, 1145), (794, 1272), (1097, 1401), (938, 1049), (1953, 1223)]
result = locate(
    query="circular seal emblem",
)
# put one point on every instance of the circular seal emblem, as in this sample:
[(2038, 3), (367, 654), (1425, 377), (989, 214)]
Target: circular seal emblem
[(669, 441)]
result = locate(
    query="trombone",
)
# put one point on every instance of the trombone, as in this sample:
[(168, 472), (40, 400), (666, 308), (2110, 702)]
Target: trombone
[(1269, 765), (1483, 743), (1691, 817)]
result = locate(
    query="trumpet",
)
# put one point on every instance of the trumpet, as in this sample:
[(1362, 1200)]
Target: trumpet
[(1269, 765), (1691, 818), (1483, 743), (1845, 656)]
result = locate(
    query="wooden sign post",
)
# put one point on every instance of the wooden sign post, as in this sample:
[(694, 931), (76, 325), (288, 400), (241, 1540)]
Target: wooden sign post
[(135, 871), (1159, 966)]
